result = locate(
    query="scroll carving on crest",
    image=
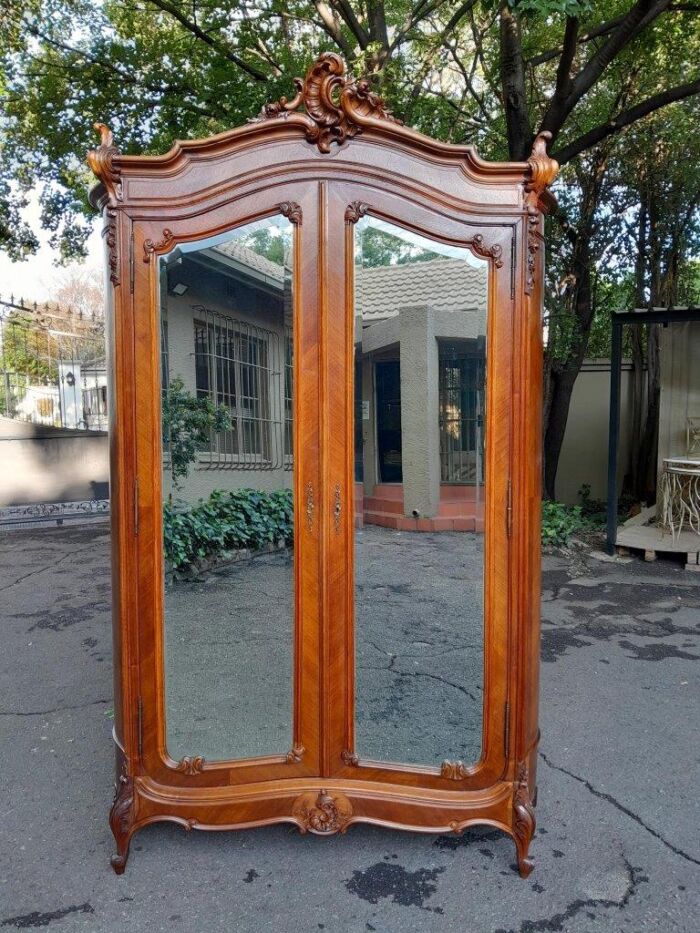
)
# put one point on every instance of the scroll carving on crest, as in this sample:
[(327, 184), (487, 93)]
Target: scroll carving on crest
[(291, 210), (337, 106), (322, 813)]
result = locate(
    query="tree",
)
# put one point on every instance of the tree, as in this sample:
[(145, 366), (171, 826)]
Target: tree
[(494, 73)]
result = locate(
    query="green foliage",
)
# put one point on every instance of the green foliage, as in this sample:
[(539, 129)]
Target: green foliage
[(380, 248), (246, 518), (561, 522), (187, 425)]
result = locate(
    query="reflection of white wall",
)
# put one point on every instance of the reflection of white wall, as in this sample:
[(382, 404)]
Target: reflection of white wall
[(680, 386)]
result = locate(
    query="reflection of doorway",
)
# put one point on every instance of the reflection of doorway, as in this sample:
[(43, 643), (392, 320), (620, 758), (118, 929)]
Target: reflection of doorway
[(388, 384)]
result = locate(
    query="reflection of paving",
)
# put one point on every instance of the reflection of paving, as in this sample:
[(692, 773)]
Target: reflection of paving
[(228, 650), (419, 637), (419, 653)]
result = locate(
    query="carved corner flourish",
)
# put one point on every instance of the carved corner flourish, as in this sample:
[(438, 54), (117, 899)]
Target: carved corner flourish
[(453, 770), (109, 232), (323, 814), (149, 247), (121, 819), (337, 106), (354, 211), (524, 821), (101, 162), (292, 211), (349, 758), (494, 252), (295, 755), (188, 765)]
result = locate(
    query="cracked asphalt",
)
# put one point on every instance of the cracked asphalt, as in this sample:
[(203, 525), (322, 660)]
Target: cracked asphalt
[(617, 846)]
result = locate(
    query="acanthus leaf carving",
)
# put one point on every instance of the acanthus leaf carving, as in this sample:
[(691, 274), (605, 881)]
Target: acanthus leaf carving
[(109, 232), (291, 210), (322, 813), (121, 818), (295, 755), (337, 106), (543, 168), (354, 211), (524, 822), (190, 765), (454, 770), (349, 758), (150, 247)]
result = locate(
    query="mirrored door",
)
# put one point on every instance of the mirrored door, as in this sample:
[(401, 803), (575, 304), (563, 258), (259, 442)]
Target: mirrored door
[(420, 351), (227, 402)]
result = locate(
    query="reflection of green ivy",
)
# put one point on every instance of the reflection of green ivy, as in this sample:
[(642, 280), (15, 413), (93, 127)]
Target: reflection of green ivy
[(24, 351), (187, 425), (245, 518)]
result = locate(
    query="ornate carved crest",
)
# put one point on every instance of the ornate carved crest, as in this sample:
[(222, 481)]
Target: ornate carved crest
[(523, 819), (101, 162), (453, 770), (189, 765), (336, 105), (149, 247), (322, 814)]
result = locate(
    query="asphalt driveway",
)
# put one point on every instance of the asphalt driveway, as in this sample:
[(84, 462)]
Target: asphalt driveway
[(617, 846)]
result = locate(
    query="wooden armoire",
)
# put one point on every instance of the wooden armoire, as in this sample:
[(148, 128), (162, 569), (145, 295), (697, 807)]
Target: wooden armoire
[(327, 316)]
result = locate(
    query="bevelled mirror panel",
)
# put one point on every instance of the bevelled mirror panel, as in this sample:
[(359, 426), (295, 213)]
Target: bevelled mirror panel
[(420, 403), (227, 388)]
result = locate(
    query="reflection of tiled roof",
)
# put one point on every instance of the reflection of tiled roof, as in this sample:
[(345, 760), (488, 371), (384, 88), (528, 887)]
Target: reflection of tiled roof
[(446, 284), (254, 261)]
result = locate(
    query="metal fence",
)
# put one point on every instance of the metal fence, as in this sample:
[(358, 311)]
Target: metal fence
[(52, 366)]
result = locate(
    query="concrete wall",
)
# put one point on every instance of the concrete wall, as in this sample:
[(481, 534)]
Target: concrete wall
[(680, 387), (584, 455), (46, 464)]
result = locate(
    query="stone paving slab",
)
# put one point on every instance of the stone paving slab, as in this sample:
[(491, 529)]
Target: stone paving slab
[(617, 846)]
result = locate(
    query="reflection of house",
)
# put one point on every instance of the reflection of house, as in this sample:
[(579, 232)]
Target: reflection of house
[(420, 339)]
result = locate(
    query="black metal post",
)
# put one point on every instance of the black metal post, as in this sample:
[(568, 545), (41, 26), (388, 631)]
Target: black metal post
[(614, 432)]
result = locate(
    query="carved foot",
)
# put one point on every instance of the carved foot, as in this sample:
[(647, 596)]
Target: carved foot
[(121, 821), (523, 821)]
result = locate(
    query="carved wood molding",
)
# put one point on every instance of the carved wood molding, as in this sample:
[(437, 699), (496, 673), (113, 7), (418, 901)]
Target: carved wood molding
[(189, 765), (533, 246), (354, 211), (523, 819), (543, 168), (322, 813), (291, 210), (109, 232), (149, 247), (454, 770), (295, 755), (349, 758), (481, 248), (101, 162), (121, 818), (337, 106)]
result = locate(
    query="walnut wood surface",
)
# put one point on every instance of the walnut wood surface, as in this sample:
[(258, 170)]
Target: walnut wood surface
[(325, 168)]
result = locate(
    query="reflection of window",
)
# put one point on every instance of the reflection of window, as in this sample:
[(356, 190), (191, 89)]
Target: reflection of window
[(232, 367), (462, 413), (288, 382)]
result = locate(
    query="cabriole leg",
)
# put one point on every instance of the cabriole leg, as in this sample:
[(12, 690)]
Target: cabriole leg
[(121, 821), (523, 821)]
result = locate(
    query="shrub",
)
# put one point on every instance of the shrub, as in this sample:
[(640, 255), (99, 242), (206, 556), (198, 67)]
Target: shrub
[(246, 518), (560, 522), (188, 422)]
